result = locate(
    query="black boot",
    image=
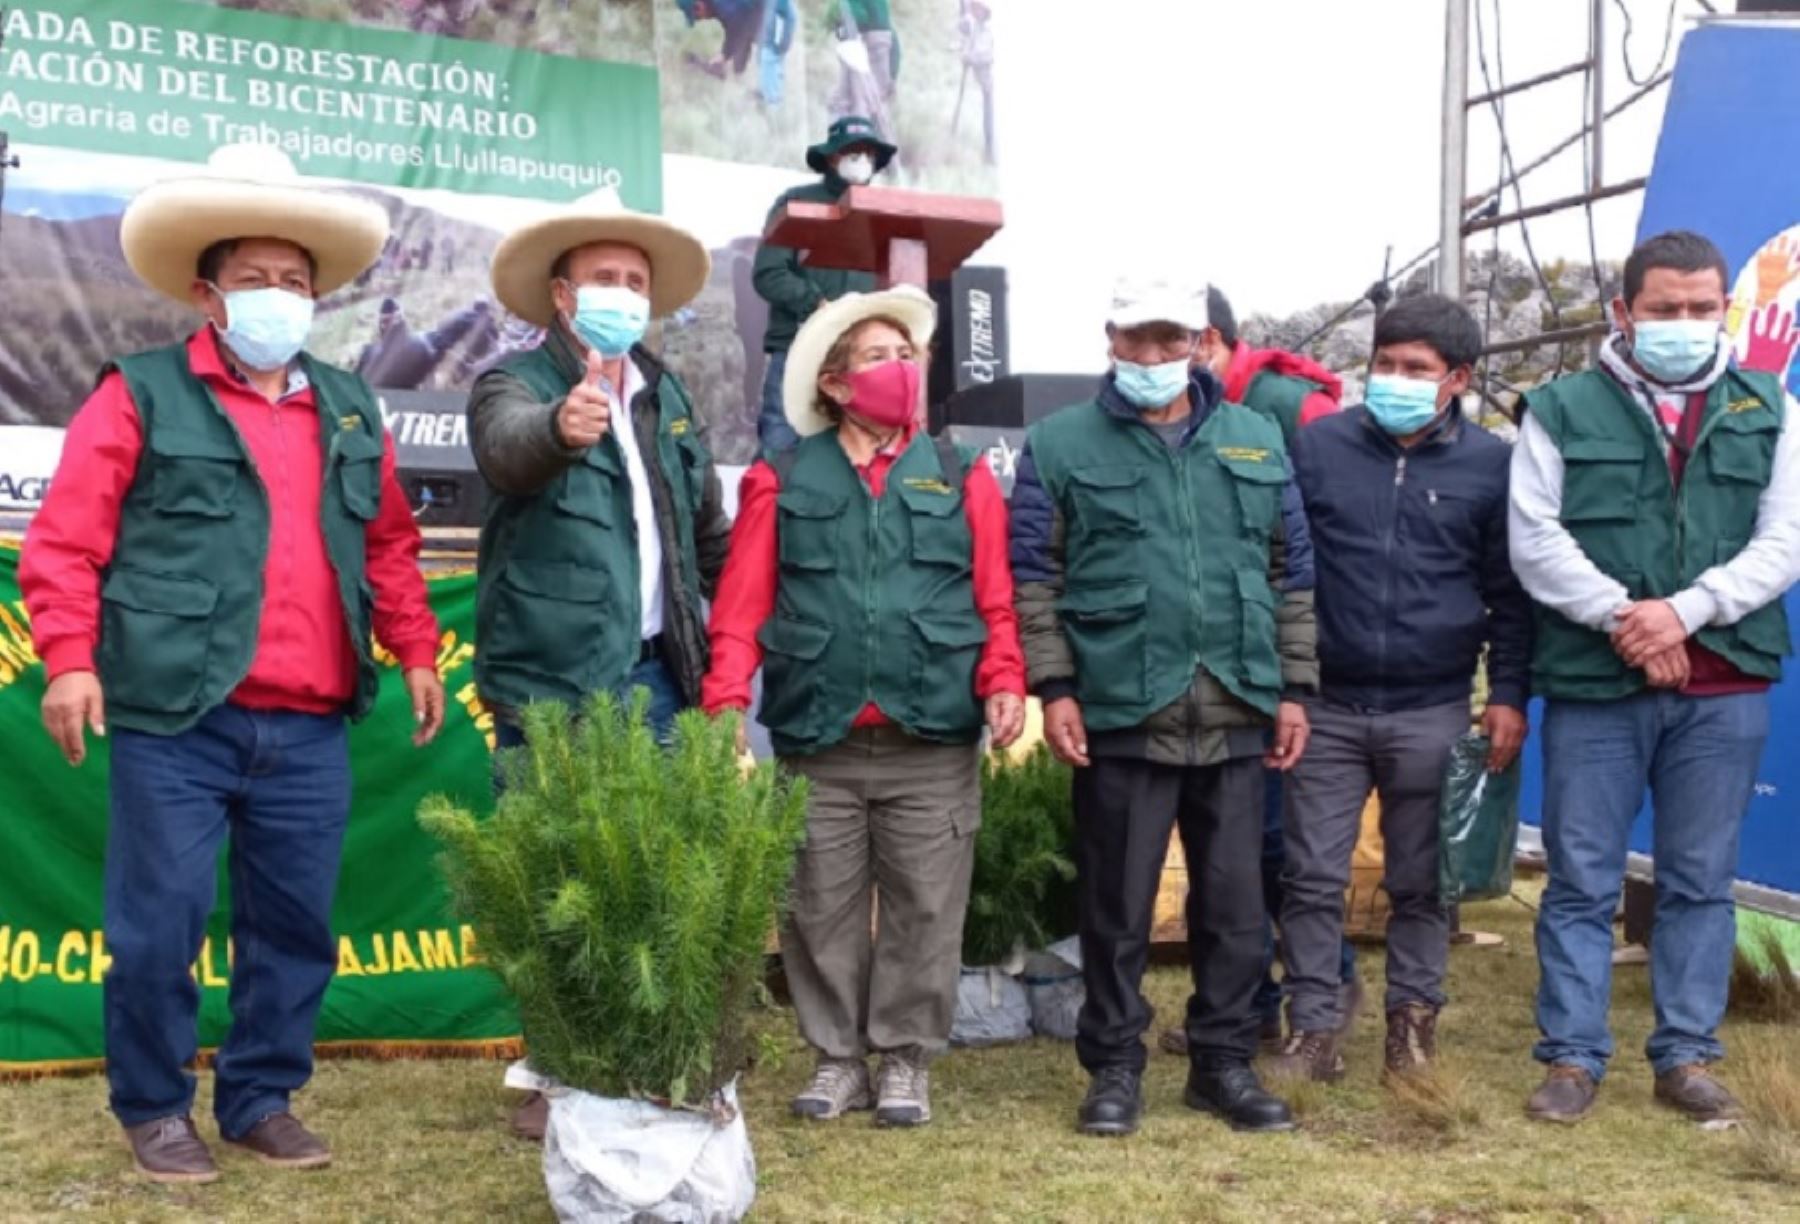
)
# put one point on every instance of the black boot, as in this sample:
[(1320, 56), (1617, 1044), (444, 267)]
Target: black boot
[(1115, 1102), (1232, 1092)]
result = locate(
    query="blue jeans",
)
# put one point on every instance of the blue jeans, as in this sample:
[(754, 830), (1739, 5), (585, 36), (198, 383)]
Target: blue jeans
[(772, 428), (1274, 855), (276, 788), (1698, 756), (665, 704)]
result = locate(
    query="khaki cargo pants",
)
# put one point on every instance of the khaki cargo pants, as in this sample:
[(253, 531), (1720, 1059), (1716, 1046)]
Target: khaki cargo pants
[(889, 817)]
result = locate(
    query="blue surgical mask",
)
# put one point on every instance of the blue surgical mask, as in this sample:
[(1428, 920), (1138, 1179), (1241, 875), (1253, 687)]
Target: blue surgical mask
[(265, 328), (1149, 388), (1673, 350), (1402, 406), (611, 318)]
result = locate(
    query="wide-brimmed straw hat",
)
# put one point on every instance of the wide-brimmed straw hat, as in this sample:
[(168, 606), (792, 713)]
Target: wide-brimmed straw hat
[(248, 191), (904, 304), (679, 264)]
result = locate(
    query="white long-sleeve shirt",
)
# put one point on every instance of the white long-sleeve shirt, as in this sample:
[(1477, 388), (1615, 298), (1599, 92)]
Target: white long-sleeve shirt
[(1558, 574)]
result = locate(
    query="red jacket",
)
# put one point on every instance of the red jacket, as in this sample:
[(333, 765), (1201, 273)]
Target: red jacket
[(1247, 363), (747, 588), (304, 657)]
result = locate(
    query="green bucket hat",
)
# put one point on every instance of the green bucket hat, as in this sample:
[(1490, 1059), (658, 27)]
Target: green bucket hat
[(854, 130)]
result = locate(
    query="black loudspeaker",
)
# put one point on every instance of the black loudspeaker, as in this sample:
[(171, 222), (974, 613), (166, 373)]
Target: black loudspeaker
[(432, 457), (971, 347)]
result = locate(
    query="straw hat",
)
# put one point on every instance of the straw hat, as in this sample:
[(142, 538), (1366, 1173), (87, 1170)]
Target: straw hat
[(799, 386), (679, 264), (247, 191)]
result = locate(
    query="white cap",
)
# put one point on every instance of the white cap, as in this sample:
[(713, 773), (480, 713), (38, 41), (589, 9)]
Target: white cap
[(1137, 301)]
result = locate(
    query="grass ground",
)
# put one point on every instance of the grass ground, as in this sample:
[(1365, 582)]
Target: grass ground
[(426, 1141)]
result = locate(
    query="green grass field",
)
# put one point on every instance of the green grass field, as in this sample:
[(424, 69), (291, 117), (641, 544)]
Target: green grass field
[(427, 1141)]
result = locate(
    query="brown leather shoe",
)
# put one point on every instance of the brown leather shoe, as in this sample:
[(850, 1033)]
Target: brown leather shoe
[(1269, 1037), (1309, 1056), (1411, 1040), (532, 1119), (1173, 1041), (1693, 1090), (280, 1140), (1566, 1095), (170, 1150)]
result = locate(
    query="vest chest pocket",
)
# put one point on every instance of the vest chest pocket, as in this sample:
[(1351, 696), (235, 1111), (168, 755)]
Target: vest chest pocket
[(940, 532), (587, 488), (806, 525), (193, 473), (1741, 449), (1107, 501), (793, 650), (359, 475), (1257, 486), (155, 638), (1600, 480), (694, 462), (1107, 630)]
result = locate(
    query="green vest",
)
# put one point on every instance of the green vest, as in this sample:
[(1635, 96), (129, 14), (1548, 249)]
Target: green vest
[(181, 601), (1279, 397), (1621, 504), (558, 606), (1166, 557), (875, 600)]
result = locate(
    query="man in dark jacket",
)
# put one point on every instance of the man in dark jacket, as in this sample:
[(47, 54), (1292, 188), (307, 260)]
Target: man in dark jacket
[(1164, 593), (1407, 505), (852, 154)]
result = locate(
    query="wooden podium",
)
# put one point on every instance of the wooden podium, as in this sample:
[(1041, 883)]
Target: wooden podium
[(903, 237)]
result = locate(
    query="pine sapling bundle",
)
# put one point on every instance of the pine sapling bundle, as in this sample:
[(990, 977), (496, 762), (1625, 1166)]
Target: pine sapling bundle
[(1022, 893), (624, 892)]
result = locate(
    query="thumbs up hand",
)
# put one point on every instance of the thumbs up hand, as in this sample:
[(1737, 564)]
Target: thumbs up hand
[(583, 417)]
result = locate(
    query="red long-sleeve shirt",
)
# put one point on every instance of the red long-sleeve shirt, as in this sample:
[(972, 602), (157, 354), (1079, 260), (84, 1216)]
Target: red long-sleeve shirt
[(746, 596), (304, 658)]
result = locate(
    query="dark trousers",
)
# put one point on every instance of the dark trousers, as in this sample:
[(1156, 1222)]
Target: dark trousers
[(1274, 855), (1124, 812), (276, 788)]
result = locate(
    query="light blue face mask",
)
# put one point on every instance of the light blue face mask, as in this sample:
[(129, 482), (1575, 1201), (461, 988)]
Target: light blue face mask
[(1674, 350), (611, 318), (1400, 405), (265, 328), (1149, 388)]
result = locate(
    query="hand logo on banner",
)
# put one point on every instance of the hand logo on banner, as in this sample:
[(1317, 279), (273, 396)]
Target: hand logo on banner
[(1764, 320)]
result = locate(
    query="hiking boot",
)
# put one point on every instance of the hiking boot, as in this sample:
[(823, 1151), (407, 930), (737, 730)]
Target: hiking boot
[(1173, 1040), (1693, 1090), (1236, 1095), (1566, 1095), (280, 1140), (170, 1150), (1411, 1040), (903, 1089), (1310, 1056), (530, 1120), (1350, 1003), (1114, 1102), (838, 1086)]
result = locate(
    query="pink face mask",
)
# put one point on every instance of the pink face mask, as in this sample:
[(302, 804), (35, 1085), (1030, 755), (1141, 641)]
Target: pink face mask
[(887, 394)]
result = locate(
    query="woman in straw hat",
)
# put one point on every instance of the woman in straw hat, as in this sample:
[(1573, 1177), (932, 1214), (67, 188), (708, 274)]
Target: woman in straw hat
[(606, 526), (868, 577), (200, 576)]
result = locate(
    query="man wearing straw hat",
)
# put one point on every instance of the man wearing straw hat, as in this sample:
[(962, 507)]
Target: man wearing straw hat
[(224, 534), (607, 525)]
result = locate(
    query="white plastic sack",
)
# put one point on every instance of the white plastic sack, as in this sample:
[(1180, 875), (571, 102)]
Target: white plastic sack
[(1054, 985), (608, 1160), (991, 1008)]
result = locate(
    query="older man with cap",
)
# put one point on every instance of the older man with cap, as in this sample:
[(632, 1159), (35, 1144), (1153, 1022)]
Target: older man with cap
[(851, 155), (606, 526), (1164, 592), (223, 536)]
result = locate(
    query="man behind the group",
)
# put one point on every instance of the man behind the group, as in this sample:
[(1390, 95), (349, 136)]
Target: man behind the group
[(1166, 606), (200, 577), (1656, 522), (1288, 388), (851, 155), (1406, 501)]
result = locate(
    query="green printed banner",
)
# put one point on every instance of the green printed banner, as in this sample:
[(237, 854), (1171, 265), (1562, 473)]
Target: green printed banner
[(384, 107), (409, 976)]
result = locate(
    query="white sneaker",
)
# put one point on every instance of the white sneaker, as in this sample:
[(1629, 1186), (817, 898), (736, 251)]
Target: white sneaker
[(903, 1089)]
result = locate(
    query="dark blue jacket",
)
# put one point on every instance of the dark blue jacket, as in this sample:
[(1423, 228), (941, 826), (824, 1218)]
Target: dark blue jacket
[(1409, 550)]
